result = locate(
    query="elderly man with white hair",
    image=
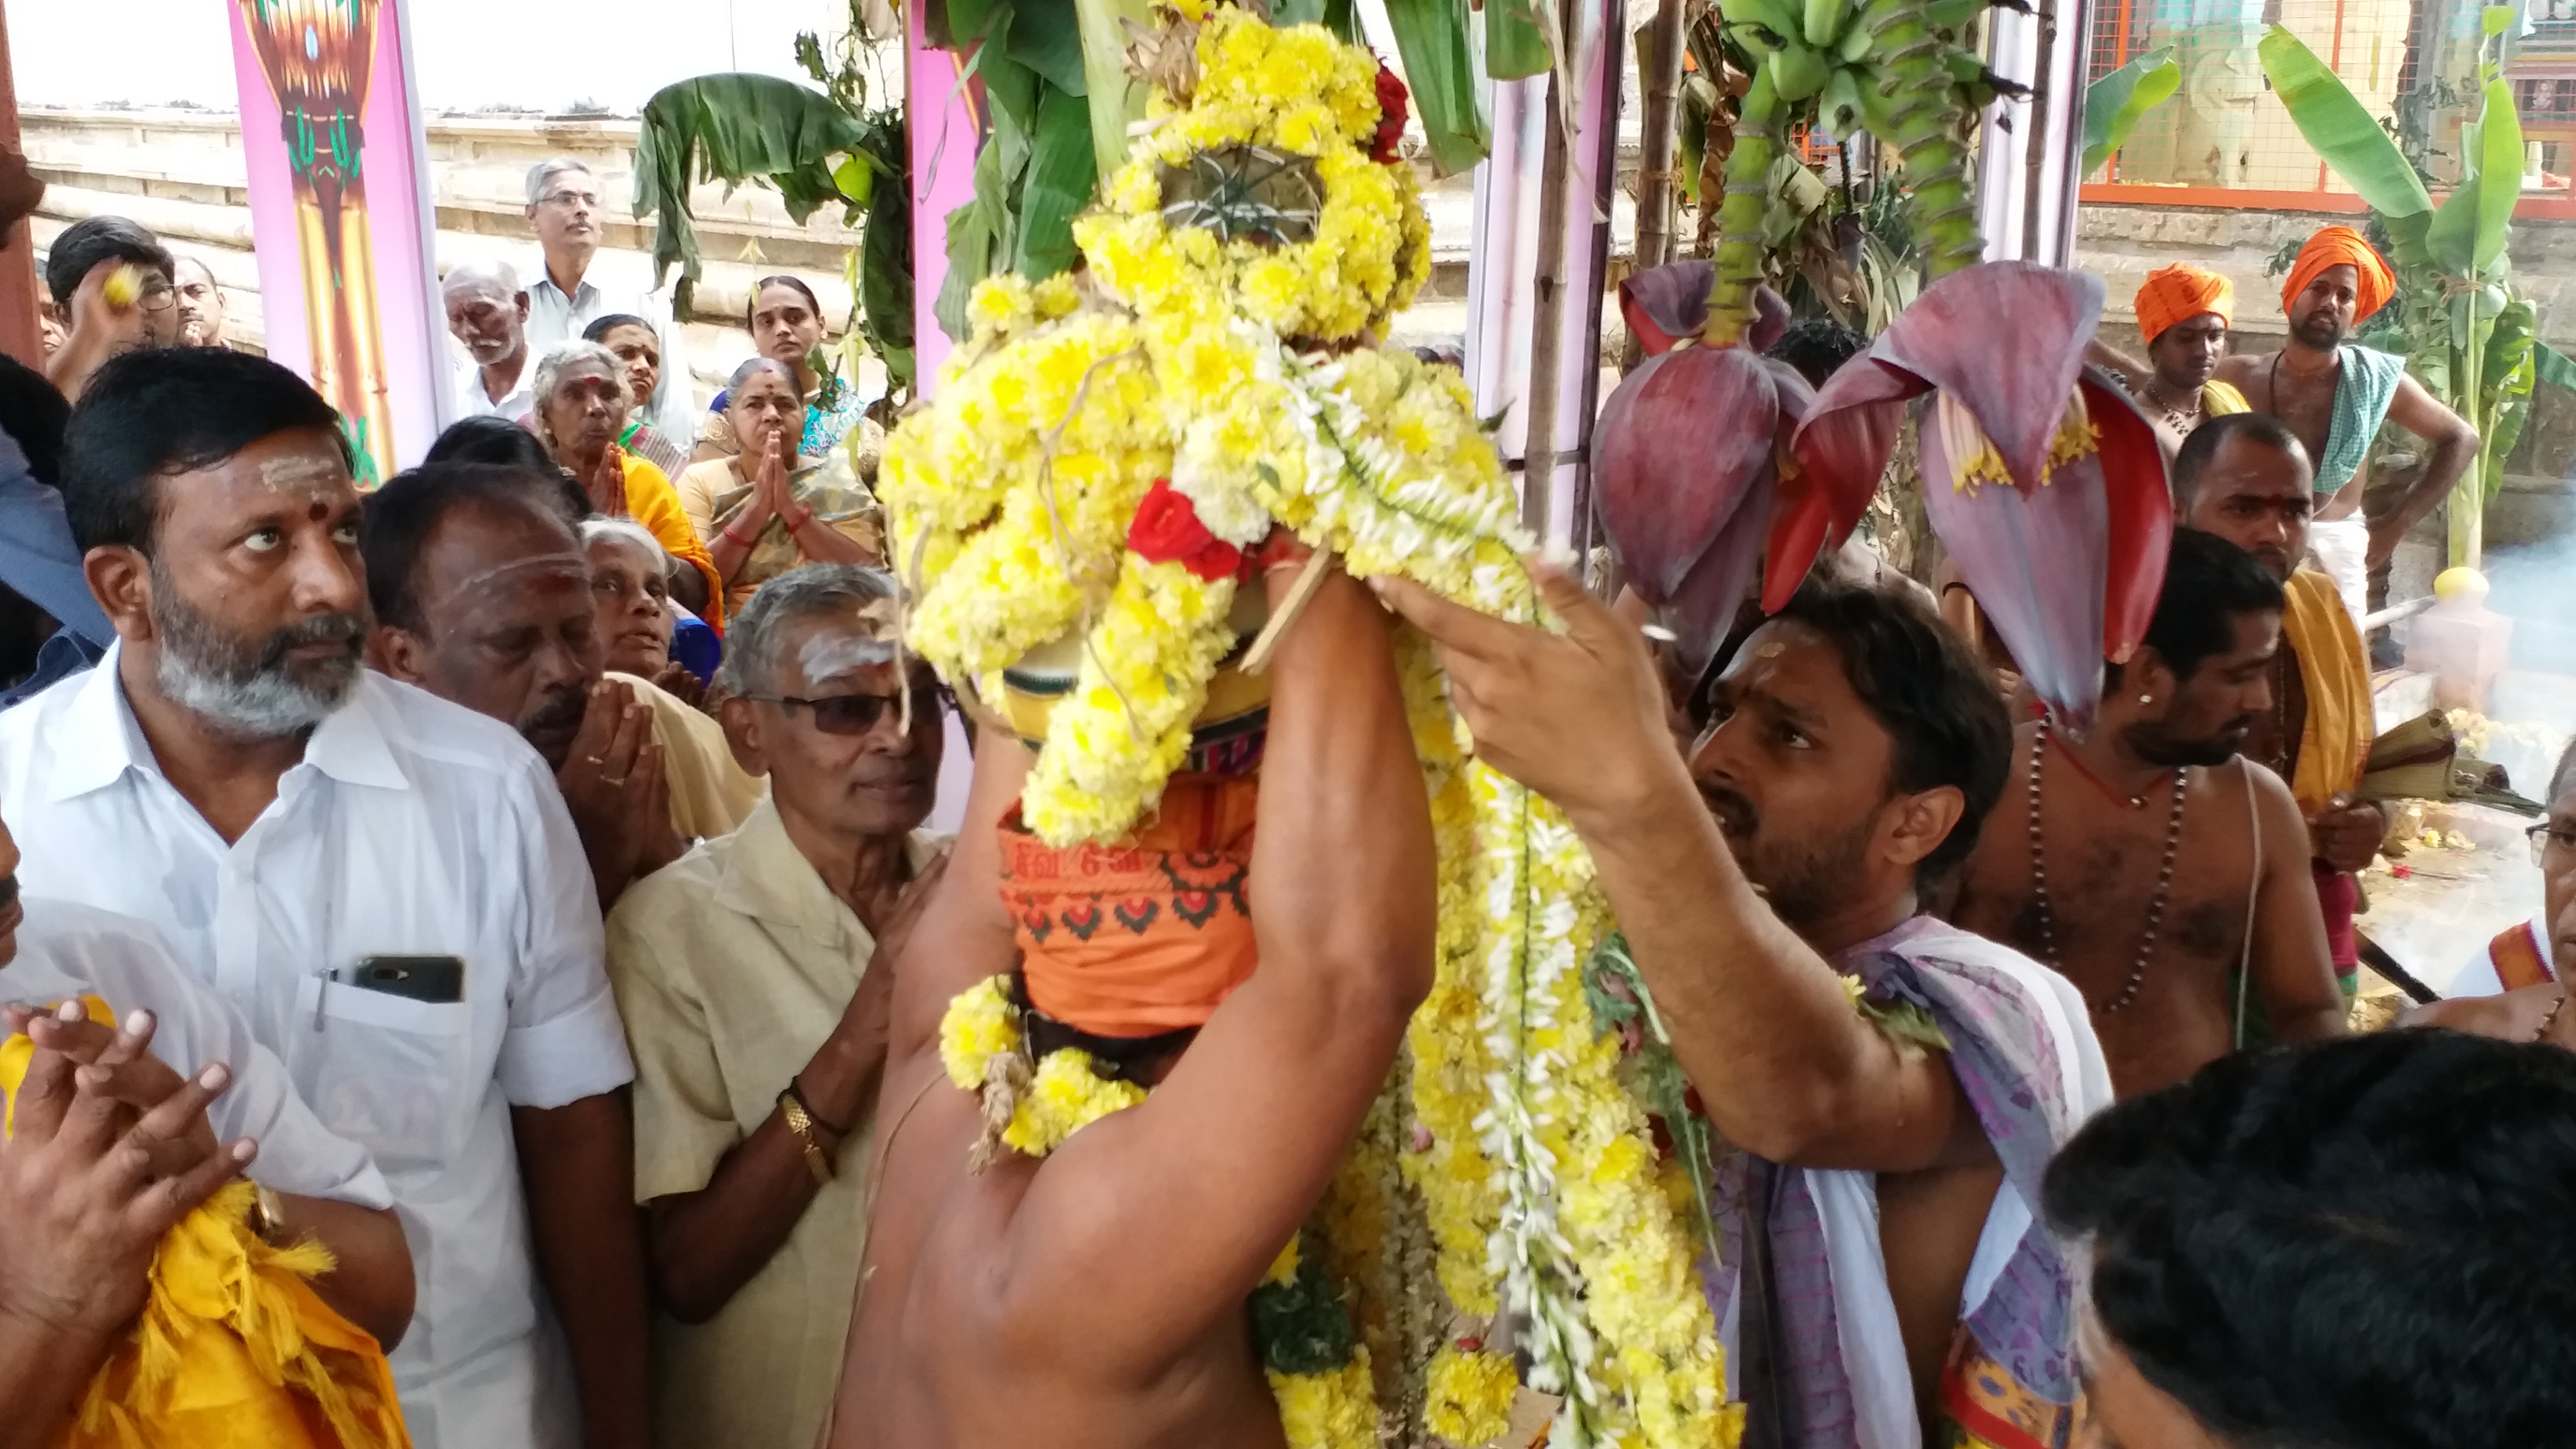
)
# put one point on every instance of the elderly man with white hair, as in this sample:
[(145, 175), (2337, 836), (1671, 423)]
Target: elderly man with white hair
[(565, 211), (487, 313), (747, 979)]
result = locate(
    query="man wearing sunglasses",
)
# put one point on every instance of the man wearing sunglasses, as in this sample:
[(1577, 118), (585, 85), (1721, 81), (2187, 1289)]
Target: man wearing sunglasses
[(756, 1009), (482, 596)]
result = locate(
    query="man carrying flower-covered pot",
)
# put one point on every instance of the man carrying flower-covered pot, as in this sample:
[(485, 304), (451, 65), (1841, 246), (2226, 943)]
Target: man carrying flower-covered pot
[(1892, 1087), (1092, 1278)]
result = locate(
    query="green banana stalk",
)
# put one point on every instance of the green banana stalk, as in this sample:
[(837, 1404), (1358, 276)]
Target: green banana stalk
[(1739, 216), (1913, 63)]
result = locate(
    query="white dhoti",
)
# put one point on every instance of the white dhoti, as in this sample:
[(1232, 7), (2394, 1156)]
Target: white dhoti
[(2342, 549)]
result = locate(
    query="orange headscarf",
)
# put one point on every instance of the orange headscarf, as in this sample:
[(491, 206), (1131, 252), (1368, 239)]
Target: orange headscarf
[(2179, 292), (2335, 246), (1145, 936)]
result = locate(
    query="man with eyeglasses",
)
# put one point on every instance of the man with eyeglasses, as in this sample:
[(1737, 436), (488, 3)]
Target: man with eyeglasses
[(2516, 980), (483, 597), (99, 320), (756, 1016), (566, 210)]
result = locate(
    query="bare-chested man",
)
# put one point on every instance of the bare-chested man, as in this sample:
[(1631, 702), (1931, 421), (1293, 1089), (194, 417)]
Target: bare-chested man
[(1854, 750), (2183, 316), (2246, 479), (2149, 861), (2334, 397), (1095, 1297)]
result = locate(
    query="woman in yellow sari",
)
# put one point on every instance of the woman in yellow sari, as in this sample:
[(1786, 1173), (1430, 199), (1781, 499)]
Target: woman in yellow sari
[(582, 402), (761, 522)]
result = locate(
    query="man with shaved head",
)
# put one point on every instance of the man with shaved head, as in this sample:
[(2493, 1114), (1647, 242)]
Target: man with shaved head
[(487, 311)]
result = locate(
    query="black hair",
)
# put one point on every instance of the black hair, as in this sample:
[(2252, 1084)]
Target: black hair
[(1818, 347), (2201, 448), (2208, 583), (33, 415), (172, 410), (1946, 725), (400, 517), (598, 330), (497, 440), (2351, 1244), (84, 244), (779, 280)]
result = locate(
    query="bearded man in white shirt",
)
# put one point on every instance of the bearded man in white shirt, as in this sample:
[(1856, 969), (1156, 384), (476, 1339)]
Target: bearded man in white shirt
[(384, 884)]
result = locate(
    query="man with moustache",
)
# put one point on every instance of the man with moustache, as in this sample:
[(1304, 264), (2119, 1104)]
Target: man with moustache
[(756, 1009), (2334, 395), (2183, 316), (483, 596), (201, 304), (1893, 1086), (384, 884), (487, 314), (2245, 479), (2162, 871)]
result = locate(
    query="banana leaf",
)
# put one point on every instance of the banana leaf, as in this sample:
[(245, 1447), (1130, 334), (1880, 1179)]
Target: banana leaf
[(1045, 38), (2340, 129), (1517, 44), (2114, 104), (1431, 36), (974, 233), (2470, 229), (1116, 97), (2553, 367), (732, 127), (1057, 186), (885, 272)]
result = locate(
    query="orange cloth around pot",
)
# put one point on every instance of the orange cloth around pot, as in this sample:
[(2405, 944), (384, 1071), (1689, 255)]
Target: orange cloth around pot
[(2180, 292), (1147, 935), (2335, 246)]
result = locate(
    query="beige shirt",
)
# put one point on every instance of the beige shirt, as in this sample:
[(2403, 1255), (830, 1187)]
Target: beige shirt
[(731, 966), (711, 794)]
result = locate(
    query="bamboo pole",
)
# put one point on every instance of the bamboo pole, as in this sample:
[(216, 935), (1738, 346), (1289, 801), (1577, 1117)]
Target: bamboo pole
[(1547, 325), (1661, 66), (2035, 178)]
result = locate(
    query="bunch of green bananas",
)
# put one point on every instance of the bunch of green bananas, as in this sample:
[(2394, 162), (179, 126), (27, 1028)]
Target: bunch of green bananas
[(1826, 51)]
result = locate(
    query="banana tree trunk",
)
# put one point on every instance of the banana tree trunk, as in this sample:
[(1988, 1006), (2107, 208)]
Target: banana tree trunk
[(2465, 514)]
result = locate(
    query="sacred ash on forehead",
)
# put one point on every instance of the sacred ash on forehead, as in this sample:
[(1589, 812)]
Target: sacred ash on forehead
[(311, 474)]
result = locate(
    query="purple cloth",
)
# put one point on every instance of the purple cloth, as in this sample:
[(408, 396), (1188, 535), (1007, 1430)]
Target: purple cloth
[(2009, 1067)]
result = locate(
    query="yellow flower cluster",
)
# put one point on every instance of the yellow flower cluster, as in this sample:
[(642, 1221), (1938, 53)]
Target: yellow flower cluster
[(1335, 1410), (1471, 1394), (1064, 1094)]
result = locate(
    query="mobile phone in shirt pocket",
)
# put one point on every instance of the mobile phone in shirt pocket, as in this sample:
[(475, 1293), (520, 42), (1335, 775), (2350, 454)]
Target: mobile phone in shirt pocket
[(385, 1071)]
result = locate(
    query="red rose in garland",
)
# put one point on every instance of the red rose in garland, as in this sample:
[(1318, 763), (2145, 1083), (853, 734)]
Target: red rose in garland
[(1167, 530), (1391, 113)]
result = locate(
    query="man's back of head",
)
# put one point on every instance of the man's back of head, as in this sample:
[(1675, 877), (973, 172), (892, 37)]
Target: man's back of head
[(2360, 1244)]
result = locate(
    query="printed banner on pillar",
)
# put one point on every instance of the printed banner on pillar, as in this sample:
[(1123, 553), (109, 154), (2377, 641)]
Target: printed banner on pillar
[(340, 213)]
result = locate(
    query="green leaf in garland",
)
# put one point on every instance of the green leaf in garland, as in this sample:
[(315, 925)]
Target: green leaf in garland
[(1301, 1325), (1116, 96), (973, 232), (1431, 37), (1058, 185)]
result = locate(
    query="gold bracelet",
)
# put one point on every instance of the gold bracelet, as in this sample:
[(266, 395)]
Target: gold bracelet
[(802, 1125)]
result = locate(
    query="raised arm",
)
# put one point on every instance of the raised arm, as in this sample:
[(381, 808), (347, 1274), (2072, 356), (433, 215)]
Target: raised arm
[(2292, 966), (2454, 445), (1759, 1021), (1222, 1163)]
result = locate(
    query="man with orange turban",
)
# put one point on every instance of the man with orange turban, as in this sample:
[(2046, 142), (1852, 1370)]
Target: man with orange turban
[(2335, 394), (2183, 316)]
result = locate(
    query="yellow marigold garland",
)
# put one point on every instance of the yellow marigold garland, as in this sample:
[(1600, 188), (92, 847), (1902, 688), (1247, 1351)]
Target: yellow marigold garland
[(1185, 357)]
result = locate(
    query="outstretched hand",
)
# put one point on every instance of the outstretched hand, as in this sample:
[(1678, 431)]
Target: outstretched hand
[(1578, 716), (104, 1157)]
